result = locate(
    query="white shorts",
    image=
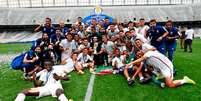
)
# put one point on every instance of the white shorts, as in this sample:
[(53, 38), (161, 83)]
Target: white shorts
[(49, 90), (166, 70), (63, 69), (85, 65)]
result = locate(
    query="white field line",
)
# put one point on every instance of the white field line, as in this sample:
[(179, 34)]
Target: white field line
[(90, 88)]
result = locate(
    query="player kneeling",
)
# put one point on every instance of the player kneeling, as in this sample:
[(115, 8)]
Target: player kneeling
[(51, 85), (84, 60), (160, 62), (137, 68)]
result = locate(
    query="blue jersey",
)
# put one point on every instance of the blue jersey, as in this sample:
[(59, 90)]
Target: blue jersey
[(49, 30), (154, 33), (64, 30), (54, 38), (173, 32)]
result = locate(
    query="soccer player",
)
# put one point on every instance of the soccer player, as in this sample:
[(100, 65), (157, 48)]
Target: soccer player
[(51, 85), (85, 44), (66, 46), (43, 42), (162, 64), (170, 41), (31, 62), (117, 62), (81, 31), (143, 28), (46, 28), (157, 35), (77, 65), (55, 40), (111, 31), (85, 60), (106, 50)]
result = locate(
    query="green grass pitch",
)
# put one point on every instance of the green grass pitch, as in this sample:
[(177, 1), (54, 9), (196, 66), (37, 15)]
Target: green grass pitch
[(110, 87)]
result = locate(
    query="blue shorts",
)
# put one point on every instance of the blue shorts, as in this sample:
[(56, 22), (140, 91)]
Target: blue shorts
[(171, 46)]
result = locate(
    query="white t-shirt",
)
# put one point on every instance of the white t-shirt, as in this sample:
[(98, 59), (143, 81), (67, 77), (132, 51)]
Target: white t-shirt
[(119, 62), (47, 77), (66, 68), (146, 47), (158, 61), (189, 34), (142, 30), (141, 37), (109, 46)]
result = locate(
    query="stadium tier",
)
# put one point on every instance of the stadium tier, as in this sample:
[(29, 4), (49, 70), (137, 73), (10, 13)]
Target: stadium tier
[(19, 20), (29, 16)]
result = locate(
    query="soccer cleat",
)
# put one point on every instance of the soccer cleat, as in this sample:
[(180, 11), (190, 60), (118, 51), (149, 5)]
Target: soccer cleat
[(131, 82), (162, 85), (70, 100), (115, 72), (25, 76), (80, 72), (188, 80), (91, 71), (145, 80), (159, 77)]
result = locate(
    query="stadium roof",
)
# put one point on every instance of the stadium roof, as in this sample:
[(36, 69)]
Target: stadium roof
[(62, 3)]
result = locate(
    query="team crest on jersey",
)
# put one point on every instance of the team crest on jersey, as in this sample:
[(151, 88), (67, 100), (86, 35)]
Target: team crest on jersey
[(171, 33)]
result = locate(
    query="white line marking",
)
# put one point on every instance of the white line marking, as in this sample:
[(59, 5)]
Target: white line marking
[(90, 88)]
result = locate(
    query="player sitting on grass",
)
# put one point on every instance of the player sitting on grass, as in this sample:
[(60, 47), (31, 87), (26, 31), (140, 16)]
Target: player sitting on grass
[(138, 72), (161, 63), (31, 63), (77, 65), (117, 64), (51, 85), (85, 60)]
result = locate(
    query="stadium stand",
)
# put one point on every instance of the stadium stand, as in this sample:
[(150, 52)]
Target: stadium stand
[(28, 16), (20, 17)]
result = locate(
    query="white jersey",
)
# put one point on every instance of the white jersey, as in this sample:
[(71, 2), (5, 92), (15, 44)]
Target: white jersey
[(160, 63), (189, 34), (146, 47), (66, 68), (50, 84), (117, 60), (68, 47), (142, 30), (47, 77), (110, 33), (81, 34), (109, 46), (84, 58), (141, 37), (82, 46)]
